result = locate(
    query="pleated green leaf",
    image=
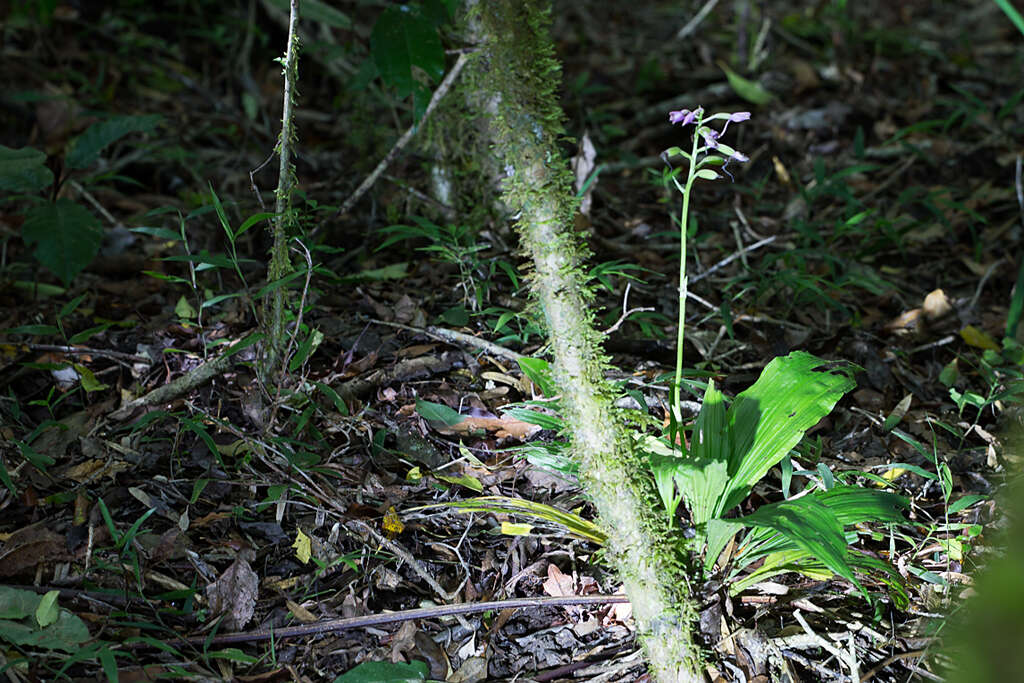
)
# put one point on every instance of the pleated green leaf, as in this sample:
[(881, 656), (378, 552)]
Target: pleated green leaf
[(811, 527), (767, 420)]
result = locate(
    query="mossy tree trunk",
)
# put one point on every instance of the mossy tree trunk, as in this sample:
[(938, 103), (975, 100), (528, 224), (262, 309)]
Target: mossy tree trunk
[(518, 58)]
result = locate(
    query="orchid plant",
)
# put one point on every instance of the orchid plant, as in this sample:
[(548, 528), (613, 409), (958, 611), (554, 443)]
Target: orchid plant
[(732, 448)]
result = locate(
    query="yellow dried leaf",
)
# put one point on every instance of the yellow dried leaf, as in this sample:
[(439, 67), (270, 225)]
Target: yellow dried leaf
[(978, 339), (516, 529), (303, 547), (392, 524), (893, 474)]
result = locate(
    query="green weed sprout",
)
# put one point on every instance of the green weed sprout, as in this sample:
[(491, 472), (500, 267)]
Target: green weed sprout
[(732, 447)]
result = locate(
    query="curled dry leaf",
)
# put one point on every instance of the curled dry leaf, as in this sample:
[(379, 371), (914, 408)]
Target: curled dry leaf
[(28, 547), (234, 594), (558, 583), (936, 305)]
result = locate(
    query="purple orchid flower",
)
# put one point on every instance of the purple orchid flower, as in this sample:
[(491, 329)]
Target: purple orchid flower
[(737, 117), (710, 137), (684, 116)]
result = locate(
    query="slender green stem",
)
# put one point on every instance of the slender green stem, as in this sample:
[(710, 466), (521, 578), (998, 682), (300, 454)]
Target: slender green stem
[(680, 333)]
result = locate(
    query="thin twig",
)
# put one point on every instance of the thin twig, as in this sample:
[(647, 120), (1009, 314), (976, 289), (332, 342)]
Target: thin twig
[(85, 350), (849, 661), (168, 392), (414, 564), (732, 257), (981, 284), (95, 204), (332, 625), (692, 25), (459, 338), (441, 91), (626, 311)]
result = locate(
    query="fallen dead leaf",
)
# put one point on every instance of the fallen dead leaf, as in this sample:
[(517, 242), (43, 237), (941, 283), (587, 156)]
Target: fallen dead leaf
[(403, 641), (908, 322), (300, 612), (558, 583), (234, 594), (936, 304), (30, 546)]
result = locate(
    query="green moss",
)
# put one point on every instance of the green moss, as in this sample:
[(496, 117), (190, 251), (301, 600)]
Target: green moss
[(526, 130)]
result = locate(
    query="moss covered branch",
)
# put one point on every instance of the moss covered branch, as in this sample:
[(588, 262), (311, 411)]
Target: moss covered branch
[(518, 58)]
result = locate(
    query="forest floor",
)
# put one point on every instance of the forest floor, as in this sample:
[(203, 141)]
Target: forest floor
[(879, 220)]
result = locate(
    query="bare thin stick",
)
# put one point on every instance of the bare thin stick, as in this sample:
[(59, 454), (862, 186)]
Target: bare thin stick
[(441, 91), (626, 311), (333, 625), (692, 25), (414, 564), (732, 257), (457, 338), (849, 660)]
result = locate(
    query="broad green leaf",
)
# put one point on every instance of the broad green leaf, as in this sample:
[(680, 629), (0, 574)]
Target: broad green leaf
[(896, 469), (883, 571), (466, 480), (717, 534), (964, 502), (550, 456), (306, 348), (781, 562), (664, 468), (436, 11), (767, 420), (67, 633), (48, 609), (516, 529), (88, 378), (539, 372), (253, 220), (978, 338), (437, 412), (542, 420), (751, 91), (336, 399), (812, 527), (800, 561), (86, 335), (897, 413), (160, 233), (402, 40), (855, 505), (39, 460), (385, 672), (23, 170), (109, 663), (703, 475), (850, 504), (16, 603), (66, 235), (86, 148)]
